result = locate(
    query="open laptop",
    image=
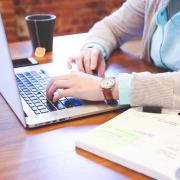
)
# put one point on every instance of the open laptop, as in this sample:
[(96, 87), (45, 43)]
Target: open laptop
[(24, 90)]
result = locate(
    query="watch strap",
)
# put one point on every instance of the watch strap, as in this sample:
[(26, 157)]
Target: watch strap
[(108, 97), (107, 94)]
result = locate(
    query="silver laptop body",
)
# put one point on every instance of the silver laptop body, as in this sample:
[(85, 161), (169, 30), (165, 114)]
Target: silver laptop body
[(11, 93)]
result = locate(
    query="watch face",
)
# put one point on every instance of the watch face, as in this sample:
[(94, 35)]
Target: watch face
[(108, 82)]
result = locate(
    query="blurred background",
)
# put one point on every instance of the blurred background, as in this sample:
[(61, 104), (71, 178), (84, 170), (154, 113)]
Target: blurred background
[(73, 16)]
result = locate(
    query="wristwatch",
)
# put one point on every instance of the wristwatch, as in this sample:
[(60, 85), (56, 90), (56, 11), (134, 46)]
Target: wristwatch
[(107, 85)]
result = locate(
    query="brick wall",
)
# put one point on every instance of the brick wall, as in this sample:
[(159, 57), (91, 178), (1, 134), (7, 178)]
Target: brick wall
[(72, 16), (8, 11)]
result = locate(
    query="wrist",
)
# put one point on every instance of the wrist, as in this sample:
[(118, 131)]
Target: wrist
[(109, 90), (99, 47)]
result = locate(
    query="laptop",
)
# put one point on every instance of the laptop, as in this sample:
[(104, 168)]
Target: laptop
[(24, 90)]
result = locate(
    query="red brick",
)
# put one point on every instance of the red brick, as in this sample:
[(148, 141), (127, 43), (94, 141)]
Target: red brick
[(72, 16)]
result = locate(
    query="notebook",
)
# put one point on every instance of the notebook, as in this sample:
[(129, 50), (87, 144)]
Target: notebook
[(148, 143), (24, 90)]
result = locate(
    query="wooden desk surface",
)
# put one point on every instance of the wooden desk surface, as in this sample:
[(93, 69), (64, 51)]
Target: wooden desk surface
[(49, 153)]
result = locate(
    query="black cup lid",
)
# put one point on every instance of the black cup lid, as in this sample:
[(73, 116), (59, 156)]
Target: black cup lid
[(40, 17)]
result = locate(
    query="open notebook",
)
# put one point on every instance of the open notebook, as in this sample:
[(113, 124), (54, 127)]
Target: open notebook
[(145, 142)]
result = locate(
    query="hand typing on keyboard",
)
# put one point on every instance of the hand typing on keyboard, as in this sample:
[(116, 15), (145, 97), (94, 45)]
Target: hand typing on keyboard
[(76, 84), (32, 88)]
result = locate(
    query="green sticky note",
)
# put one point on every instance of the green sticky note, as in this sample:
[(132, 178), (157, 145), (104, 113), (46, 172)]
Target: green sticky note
[(112, 137)]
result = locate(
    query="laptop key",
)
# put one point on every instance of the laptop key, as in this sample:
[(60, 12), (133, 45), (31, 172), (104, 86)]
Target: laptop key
[(44, 100), (31, 105), (28, 101), (38, 104), (37, 112), (59, 105), (44, 111), (40, 107), (34, 108), (23, 95), (49, 106), (35, 101), (32, 98), (26, 98)]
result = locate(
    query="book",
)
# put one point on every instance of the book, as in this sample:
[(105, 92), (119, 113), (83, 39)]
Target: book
[(148, 143)]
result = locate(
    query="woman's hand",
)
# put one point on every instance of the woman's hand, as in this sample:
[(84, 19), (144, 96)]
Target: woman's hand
[(89, 61), (76, 84)]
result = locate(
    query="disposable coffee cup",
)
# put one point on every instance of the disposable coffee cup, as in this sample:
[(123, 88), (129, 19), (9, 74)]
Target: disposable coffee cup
[(41, 30)]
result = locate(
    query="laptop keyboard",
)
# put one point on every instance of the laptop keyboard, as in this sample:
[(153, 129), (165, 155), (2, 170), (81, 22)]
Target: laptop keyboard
[(32, 87)]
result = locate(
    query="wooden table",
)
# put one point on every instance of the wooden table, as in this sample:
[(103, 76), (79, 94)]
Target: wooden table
[(49, 153)]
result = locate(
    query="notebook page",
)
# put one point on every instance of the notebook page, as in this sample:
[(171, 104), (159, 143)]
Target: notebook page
[(146, 142)]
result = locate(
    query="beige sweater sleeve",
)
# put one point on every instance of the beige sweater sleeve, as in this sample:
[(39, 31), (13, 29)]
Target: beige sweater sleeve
[(119, 27), (162, 89)]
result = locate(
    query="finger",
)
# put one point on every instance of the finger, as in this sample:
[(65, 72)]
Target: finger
[(79, 62), (94, 58), (70, 61), (87, 56), (49, 84), (57, 95), (59, 84), (62, 77), (62, 93), (101, 68)]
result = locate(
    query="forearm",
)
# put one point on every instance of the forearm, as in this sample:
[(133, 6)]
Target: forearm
[(156, 89), (162, 89)]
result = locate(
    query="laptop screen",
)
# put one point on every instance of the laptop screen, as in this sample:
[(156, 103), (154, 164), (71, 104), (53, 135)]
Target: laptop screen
[(8, 86)]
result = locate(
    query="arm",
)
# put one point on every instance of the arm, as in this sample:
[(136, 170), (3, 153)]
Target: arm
[(162, 89), (122, 25), (146, 89), (109, 34)]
